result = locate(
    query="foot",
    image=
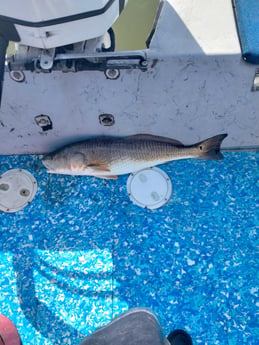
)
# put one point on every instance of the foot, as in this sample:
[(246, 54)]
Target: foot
[(179, 337)]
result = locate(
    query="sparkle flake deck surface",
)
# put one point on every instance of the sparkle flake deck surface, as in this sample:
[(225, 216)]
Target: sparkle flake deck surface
[(81, 253)]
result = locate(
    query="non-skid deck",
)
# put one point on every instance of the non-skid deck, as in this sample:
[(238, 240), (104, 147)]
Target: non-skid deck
[(81, 253)]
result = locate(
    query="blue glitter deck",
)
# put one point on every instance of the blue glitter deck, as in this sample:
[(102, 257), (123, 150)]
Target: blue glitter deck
[(81, 253)]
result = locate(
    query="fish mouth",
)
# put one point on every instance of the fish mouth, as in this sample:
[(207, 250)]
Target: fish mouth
[(47, 162)]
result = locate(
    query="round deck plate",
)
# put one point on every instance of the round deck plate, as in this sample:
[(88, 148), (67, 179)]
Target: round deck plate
[(149, 188), (17, 189)]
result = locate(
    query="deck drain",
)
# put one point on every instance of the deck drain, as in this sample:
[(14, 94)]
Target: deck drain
[(149, 188), (17, 189)]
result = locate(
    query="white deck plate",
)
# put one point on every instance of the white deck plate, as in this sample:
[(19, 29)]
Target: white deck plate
[(149, 188), (17, 189)]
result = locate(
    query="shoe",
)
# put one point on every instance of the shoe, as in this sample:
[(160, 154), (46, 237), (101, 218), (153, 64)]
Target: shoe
[(179, 337)]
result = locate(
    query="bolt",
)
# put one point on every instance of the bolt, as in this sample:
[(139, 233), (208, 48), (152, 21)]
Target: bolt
[(43, 122)]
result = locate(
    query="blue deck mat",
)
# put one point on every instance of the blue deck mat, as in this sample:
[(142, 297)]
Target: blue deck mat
[(81, 253), (247, 17)]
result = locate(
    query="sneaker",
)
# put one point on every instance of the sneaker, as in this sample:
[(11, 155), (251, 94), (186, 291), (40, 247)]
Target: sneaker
[(179, 337)]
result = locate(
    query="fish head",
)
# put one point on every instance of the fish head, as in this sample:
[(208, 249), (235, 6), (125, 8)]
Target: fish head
[(53, 163), (65, 162)]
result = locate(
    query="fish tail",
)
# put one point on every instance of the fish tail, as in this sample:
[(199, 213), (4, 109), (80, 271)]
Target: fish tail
[(210, 148)]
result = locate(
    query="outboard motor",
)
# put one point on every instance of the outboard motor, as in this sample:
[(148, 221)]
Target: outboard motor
[(42, 26)]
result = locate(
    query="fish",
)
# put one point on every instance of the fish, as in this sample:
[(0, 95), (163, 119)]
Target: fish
[(108, 157)]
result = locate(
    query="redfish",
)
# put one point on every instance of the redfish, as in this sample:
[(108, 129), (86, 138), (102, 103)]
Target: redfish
[(107, 157)]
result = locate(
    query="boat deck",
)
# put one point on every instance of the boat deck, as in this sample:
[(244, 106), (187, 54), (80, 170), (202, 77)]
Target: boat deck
[(81, 253)]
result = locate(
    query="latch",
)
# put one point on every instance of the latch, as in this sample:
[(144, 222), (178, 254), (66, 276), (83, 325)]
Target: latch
[(47, 58), (255, 86)]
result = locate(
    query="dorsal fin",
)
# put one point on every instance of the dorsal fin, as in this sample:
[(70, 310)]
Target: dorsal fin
[(155, 138)]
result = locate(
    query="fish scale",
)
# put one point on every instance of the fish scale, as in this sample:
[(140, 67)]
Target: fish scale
[(136, 150)]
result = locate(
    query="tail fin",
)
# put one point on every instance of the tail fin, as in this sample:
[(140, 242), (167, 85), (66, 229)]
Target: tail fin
[(210, 148)]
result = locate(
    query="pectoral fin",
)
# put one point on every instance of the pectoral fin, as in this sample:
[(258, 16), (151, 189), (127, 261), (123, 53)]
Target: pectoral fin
[(98, 167)]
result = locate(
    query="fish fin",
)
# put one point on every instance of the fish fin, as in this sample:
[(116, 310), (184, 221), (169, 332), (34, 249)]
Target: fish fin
[(108, 177), (98, 167), (210, 148), (155, 138)]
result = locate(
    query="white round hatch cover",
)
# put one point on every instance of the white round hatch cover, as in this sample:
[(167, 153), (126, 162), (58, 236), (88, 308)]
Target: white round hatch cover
[(17, 189), (149, 188)]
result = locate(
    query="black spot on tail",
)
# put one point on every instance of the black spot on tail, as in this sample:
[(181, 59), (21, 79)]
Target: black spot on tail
[(210, 148)]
